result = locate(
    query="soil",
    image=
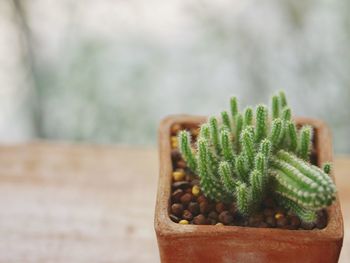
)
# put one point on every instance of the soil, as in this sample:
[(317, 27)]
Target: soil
[(189, 206)]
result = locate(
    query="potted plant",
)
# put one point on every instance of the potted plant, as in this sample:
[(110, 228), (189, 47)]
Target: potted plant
[(247, 187)]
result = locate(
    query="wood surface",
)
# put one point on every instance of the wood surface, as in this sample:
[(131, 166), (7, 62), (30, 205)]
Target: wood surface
[(88, 203)]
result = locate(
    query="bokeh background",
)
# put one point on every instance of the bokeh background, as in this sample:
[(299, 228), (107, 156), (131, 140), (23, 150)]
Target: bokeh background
[(108, 71)]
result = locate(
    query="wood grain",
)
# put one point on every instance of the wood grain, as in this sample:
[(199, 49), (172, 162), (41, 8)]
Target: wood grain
[(87, 203), (63, 203)]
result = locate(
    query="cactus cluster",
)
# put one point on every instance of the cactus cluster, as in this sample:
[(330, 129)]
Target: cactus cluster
[(244, 157)]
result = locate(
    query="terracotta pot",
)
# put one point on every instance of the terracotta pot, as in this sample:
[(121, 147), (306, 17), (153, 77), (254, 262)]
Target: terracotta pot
[(206, 243)]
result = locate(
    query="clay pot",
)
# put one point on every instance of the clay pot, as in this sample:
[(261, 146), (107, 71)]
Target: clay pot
[(210, 243)]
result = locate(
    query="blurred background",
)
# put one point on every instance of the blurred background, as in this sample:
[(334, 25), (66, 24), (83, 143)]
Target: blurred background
[(108, 71)]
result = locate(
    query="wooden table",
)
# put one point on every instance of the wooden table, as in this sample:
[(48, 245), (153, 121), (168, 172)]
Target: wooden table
[(88, 203)]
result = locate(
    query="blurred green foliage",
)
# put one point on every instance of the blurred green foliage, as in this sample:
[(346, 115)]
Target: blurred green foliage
[(107, 71)]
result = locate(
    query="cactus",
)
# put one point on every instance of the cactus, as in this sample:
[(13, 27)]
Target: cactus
[(261, 123), (292, 136), (209, 184), (283, 99), (227, 149), (184, 139), (248, 117), (246, 157), (275, 107), (214, 134), (234, 107), (276, 133), (248, 148), (305, 142), (226, 176), (327, 168), (226, 120), (300, 182)]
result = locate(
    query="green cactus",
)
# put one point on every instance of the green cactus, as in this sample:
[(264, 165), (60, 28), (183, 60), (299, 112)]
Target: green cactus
[(234, 107), (243, 199), (184, 139), (238, 129), (227, 178), (246, 157), (261, 123), (204, 131), (306, 185), (291, 133), (276, 134), (305, 142), (286, 114), (227, 149), (282, 99), (327, 168), (304, 214), (226, 120), (248, 148), (209, 184), (275, 107), (214, 134), (248, 117), (240, 168)]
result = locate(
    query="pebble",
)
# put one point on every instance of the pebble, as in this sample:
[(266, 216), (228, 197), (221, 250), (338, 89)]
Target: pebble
[(307, 226), (183, 222), (195, 132), (219, 224), (211, 221), (186, 198), (294, 222), (281, 221), (175, 128), (188, 190), (179, 175), (268, 212), (193, 207), (220, 207), (279, 210), (256, 219), (174, 143), (213, 215), (187, 215), (201, 199), (181, 164), (321, 220), (174, 218), (232, 209), (279, 215), (175, 155), (177, 209), (200, 220), (211, 207), (196, 190), (204, 207), (269, 202), (181, 184), (195, 182), (176, 195), (271, 221), (225, 217)]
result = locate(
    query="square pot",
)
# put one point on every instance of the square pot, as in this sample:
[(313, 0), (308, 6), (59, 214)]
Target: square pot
[(208, 243)]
